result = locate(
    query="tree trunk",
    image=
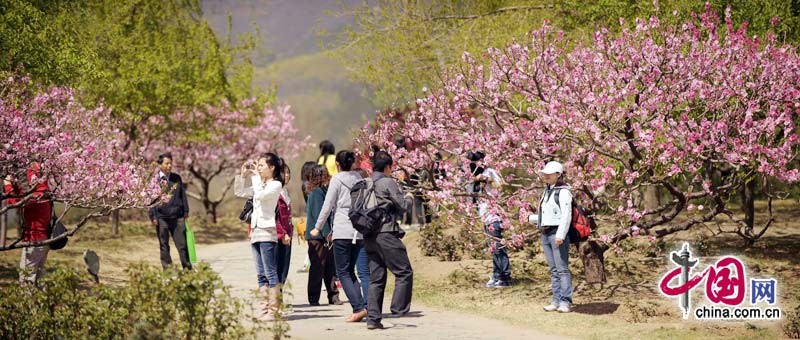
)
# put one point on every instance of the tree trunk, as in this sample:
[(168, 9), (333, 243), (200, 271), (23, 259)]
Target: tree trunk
[(652, 199), (748, 197), (593, 261), (211, 211), (115, 223), (210, 208)]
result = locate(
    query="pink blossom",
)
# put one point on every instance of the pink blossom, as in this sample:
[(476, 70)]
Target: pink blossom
[(627, 111), (79, 149)]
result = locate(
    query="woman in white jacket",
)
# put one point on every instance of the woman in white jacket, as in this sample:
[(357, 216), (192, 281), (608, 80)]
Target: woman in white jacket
[(265, 187), (555, 217)]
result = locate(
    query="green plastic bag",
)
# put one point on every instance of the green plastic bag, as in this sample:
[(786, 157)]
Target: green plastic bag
[(190, 244)]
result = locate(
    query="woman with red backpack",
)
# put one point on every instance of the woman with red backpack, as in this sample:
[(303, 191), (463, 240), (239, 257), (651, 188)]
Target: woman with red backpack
[(555, 217)]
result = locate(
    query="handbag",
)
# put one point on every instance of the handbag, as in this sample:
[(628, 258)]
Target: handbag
[(190, 243), (56, 229), (247, 211)]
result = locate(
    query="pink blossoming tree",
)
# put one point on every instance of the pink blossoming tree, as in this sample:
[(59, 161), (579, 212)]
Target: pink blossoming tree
[(698, 113), (79, 151), (238, 134)]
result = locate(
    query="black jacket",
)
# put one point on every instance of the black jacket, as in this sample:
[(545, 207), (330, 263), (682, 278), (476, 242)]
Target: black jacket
[(390, 197), (176, 206)]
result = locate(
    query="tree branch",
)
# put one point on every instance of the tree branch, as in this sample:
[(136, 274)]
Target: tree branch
[(17, 244), (194, 195), (16, 205)]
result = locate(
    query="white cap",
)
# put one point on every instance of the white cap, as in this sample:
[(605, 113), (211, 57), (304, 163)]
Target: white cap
[(552, 167)]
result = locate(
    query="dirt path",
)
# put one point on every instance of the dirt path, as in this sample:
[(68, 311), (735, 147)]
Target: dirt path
[(234, 263)]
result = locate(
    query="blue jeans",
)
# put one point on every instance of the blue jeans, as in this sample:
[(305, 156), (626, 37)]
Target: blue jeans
[(266, 267), (362, 266), (558, 260), (500, 264), (345, 256), (283, 255)]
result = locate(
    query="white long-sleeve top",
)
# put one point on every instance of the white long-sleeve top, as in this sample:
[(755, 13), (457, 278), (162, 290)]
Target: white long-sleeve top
[(265, 199), (551, 214)]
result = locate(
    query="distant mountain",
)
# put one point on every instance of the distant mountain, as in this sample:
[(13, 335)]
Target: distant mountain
[(327, 105), (288, 27)]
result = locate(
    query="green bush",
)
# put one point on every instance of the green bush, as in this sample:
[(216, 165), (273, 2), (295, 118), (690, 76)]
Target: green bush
[(430, 238), (450, 249), (155, 304), (476, 244)]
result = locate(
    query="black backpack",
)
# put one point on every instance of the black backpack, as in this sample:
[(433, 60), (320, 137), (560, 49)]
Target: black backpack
[(365, 214)]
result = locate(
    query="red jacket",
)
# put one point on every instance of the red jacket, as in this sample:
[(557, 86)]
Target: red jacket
[(36, 211), (283, 222)]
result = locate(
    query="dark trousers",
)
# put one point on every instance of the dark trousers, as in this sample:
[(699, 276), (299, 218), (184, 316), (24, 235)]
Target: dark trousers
[(345, 255), (419, 213), (177, 228), (283, 255), (384, 251), (322, 270), (500, 263)]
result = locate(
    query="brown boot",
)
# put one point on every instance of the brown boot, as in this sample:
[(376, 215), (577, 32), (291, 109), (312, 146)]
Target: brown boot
[(263, 302), (274, 303)]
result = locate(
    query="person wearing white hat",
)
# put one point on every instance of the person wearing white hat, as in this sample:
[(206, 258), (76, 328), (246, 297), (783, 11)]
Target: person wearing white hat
[(555, 216)]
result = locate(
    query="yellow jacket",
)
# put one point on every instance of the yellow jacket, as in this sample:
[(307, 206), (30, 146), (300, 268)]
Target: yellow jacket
[(329, 163)]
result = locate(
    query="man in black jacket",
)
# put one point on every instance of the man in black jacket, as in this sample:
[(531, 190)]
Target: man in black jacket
[(385, 249), (169, 213)]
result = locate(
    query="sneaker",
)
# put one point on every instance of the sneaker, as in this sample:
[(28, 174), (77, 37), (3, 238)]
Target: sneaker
[(502, 284), (564, 309), (374, 325), (550, 308), (490, 284)]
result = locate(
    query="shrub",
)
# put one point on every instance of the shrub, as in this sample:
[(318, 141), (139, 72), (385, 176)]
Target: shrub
[(430, 238), (155, 304), (449, 249)]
